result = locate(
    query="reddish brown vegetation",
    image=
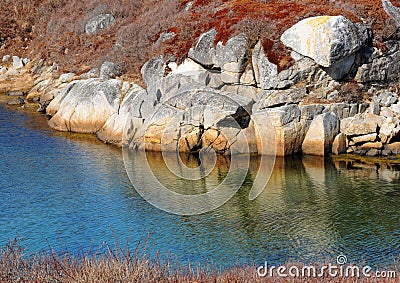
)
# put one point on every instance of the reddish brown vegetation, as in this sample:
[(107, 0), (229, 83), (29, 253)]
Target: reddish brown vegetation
[(54, 29), (121, 264)]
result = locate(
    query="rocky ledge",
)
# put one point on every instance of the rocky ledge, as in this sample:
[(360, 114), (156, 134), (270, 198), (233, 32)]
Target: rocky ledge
[(340, 95)]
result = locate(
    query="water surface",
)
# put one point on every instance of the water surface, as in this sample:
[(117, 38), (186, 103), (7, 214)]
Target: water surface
[(62, 188)]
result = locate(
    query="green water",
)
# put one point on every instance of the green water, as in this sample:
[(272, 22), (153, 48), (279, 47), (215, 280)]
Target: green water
[(58, 188)]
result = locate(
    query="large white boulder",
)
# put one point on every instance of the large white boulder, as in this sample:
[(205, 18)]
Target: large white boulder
[(85, 106), (326, 39)]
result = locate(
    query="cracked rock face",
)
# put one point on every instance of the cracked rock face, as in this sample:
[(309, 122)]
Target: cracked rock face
[(381, 68), (136, 107), (204, 51), (321, 134), (195, 120), (326, 39), (84, 106)]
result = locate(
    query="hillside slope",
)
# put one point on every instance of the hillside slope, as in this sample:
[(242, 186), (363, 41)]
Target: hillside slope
[(55, 29)]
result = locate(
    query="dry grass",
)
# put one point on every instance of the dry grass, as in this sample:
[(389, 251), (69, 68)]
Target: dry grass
[(122, 265), (54, 29)]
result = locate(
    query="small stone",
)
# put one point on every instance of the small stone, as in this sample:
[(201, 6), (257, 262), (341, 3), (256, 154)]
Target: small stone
[(110, 70), (394, 148), (16, 101), (6, 58), (371, 145), (17, 62), (14, 93), (373, 152), (66, 78)]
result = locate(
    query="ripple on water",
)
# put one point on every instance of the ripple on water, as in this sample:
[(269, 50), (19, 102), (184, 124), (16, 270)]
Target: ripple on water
[(62, 188)]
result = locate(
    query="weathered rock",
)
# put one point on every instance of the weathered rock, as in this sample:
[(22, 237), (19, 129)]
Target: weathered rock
[(273, 98), (302, 70), (283, 115), (110, 70), (342, 67), (319, 138), (394, 148), (364, 138), (152, 73), (85, 106), (395, 108), (361, 124), (371, 145), (67, 78), (325, 39), (265, 72), (165, 36), (204, 52), (187, 120), (232, 57), (242, 90), (381, 67), (98, 23), (389, 129), (387, 112), (339, 144), (17, 62), (120, 128), (344, 110), (289, 129), (92, 73), (15, 93), (373, 152), (392, 11), (247, 77), (308, 112), (374, 108), (57, 97), (386, 98), (6, 58), (16, 101)]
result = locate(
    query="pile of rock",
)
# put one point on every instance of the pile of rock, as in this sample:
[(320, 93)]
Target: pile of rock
[(228, 97)]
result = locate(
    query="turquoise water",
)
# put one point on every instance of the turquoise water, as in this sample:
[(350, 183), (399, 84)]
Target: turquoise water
[(61, 190)]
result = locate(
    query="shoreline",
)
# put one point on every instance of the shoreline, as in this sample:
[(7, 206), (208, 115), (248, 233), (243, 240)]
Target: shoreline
[(231, 99), (30, 109)]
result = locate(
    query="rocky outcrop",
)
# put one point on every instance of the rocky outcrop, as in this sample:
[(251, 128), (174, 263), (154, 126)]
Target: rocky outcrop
[(265, 72), (381, 67), (289, 128), (326, 39), (194, 120), (136, 107), (231, 98), (204, 52), (98, 23), (85, 105), (232, 58)]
